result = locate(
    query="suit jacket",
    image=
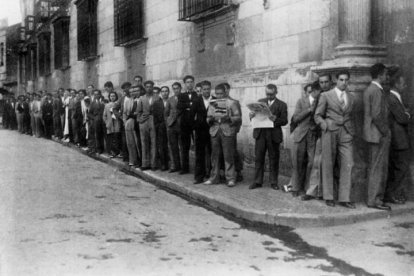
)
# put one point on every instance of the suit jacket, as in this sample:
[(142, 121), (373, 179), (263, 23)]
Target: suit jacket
[(376, 114), (329, 114), (126, 107), (279, 109), (200, 114), (96, 109), (145, 108), (185, 108), (229, 128), (112, 125), (399, 120), (159, 112), (47, 109), (171, 112), (57, 106), (303, 118)]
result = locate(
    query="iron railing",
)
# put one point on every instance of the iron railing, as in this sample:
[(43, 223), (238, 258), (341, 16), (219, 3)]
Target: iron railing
[(128, 21), (87, 29)]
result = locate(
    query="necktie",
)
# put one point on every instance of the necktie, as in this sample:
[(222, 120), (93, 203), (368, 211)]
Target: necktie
[(342, 100)]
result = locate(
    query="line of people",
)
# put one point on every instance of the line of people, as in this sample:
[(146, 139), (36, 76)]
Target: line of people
[(150, 129), (323, 133)]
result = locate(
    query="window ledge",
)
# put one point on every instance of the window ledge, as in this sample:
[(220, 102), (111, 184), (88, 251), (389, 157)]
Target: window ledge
[(63, 68), (132, 42), (90, 58)]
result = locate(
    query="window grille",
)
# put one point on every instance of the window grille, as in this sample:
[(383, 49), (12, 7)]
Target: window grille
[(128, 21), (191, 9), (61, 41), (87, 29)]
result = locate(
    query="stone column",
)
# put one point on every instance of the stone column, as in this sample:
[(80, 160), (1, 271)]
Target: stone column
[(355, 32)]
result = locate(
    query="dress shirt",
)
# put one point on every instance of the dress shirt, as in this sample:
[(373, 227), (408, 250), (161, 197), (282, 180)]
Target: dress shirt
[(311, 99), (396, 95), (271, 102), (206, 102), (341, 95), (379, 85)]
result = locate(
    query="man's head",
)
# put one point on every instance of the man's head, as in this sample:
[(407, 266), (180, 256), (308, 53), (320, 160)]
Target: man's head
[(379, 73), (61, 91), (342, 80), (308, 89), (325, 82), (176, 88), (315, 89), (198, 88), (206, 89), (125, 88), (156, 90), (37, 97), (149, 87), (108, 86), (97, 94), (220, 91), (137, 81), (48, 96), (90, 89), (72, 93), (271, 91), (189, 82), (165, 92), (396, 78)]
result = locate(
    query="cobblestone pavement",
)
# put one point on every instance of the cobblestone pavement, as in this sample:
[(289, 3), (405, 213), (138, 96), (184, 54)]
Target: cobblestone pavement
[(63, 213)]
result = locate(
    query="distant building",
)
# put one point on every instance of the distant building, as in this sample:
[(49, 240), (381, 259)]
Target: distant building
[(248, 43)]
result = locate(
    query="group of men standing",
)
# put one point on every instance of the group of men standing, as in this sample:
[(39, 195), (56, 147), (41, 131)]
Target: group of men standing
[(323, 135)]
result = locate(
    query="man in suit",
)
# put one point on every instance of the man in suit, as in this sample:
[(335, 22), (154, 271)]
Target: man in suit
[(47, 115), (376, 133), (57, 123), (20, 113), (269, 139), (161, 127), (95, 115), (333, 115), (185, 110), (304, 138), (147, 127), (119, 107), (129, 117), (202, 137), (223, 117), (399, 161), (37, 113), (173, 128)]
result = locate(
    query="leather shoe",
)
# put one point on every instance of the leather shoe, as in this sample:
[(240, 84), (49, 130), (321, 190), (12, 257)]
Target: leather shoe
[(306, 197), (208, 182), (393, 200), (231, 184), (183, 172), (330, 203), (349, 205), (274, 187), (173, 170), (383, 206), (145, 168), (198, 181), (255, 186), (295, 193)]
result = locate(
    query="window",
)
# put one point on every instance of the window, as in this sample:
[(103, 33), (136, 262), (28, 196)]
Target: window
[(31, 62), (128, 21), (44, 54), (87, 29), (193, 10), (61, 40)]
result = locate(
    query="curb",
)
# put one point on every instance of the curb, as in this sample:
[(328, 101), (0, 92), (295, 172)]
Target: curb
[(233, 209)]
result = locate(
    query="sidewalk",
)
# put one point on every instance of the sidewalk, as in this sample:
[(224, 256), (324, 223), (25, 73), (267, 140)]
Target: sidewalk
[(264, 205)]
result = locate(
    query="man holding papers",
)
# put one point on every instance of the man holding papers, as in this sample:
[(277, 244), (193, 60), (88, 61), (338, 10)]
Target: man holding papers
[(268, 116)]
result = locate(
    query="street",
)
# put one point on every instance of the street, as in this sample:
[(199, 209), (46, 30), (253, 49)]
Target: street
[(63, 213)]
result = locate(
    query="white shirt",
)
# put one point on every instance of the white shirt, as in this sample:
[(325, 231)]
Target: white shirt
[(339, 93), (311, 99), (271, 102), (396, 95), (377, 84), (206, 102)]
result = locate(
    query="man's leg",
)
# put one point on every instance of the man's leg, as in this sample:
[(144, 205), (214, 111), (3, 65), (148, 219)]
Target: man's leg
[(260, 148), (299, 150), (274, 155), (146, 154), (378, 171), (328, 159), (173, 139), (228, 154), (346, 163), (185, 142), (215, 155), (398, 170), (152, 143), (200, 165)]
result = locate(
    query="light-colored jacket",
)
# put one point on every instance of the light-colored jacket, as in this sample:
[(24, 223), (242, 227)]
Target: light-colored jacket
[(229, 128), (112, 124)]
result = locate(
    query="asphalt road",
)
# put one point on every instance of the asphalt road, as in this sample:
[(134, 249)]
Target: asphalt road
[(63, 213)]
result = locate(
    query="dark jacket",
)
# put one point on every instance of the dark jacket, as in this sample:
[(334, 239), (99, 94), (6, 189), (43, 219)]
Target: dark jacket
[(200, 114), (399, 120), (185, 109), (279, 109)]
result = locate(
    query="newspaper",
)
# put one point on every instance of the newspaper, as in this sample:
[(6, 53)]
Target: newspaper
[(262, 114), (220, 107)]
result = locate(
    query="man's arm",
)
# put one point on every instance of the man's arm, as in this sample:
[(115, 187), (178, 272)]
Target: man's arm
[(300, 113), (375, 108), (281, 120), (320, 112), (235, 116), (397, 112)]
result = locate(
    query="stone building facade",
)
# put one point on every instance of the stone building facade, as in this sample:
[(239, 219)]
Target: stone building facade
[(248, 43)]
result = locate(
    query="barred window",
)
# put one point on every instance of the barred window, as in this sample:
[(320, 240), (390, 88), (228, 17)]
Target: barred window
[(44, 54), (61, 40), (191, 10), (2, 54), (128, 21), (87, 28)]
